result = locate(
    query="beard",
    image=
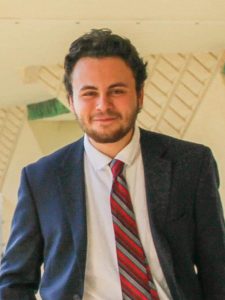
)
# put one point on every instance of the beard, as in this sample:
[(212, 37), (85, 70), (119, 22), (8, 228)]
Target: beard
[(109, 134)]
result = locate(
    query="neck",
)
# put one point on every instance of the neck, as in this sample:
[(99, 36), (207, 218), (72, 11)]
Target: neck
[(112, 149)]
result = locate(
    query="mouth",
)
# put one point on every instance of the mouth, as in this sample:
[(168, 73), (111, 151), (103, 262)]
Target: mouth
[(105, 118)]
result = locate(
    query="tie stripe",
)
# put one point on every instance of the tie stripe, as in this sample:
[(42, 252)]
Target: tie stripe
[(135, 275), (124, 218), (130, 282), (123, 251), (119, 204), (126, 262)]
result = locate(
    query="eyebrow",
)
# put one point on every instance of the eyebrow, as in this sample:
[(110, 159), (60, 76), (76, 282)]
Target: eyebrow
[(118, 84), (92, 87), (88, 87)]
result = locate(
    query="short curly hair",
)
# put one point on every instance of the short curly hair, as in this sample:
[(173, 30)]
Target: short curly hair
[(100, 43)]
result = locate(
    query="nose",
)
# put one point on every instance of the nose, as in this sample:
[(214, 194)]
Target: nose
[(103, 102)]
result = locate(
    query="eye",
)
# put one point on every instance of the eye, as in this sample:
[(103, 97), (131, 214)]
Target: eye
[(89, 94), (118, 91)]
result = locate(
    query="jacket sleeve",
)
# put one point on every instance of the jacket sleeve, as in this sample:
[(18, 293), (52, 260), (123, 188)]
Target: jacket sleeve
[(21, 262), (210, 232)]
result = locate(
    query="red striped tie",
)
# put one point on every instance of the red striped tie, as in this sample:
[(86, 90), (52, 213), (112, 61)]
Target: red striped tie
[(135, 276)]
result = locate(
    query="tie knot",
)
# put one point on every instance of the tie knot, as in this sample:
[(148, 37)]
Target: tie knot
[(116, 167)]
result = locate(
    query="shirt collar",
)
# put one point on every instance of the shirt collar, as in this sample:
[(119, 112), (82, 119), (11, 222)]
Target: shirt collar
[(126, 155)]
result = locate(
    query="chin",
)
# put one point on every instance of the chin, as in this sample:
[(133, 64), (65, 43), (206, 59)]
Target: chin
[(107, 138)]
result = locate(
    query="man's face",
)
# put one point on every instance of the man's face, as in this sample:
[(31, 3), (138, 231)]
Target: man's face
[(104, 99)]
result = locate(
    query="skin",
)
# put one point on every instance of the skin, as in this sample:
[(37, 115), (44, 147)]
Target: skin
[(105, 102)]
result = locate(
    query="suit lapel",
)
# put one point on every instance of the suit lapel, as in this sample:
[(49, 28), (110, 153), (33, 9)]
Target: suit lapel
[(157, 177), (72, 186), (157, 169)]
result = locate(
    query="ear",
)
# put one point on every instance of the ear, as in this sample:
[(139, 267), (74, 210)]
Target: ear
[(71, 104), (140, 97)]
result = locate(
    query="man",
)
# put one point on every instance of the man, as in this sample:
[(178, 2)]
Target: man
[(74, 206)]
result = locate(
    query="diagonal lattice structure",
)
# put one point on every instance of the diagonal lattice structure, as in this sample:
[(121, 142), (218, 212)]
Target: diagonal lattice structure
[(176, 86), (11, 121)]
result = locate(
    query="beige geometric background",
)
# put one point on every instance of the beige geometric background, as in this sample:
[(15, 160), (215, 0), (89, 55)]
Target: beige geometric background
[(176, 86)]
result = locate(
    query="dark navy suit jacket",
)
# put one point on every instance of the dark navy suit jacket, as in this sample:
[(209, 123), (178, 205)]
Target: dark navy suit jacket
[(186, 218)]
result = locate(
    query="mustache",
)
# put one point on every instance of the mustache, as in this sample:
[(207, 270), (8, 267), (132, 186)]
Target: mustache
[(108, 113)]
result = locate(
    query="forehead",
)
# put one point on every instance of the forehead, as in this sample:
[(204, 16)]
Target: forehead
[(101, 69)]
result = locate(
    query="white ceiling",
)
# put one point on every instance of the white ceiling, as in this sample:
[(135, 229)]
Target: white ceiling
[(34, 33)]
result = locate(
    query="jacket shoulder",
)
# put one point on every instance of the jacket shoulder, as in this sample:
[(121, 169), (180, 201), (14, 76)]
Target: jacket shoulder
[(52, 161), (172, 147)]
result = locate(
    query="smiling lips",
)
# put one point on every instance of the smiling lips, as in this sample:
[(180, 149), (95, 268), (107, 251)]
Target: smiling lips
[(105, 118)]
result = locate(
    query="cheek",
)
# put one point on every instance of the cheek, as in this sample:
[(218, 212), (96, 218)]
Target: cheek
[(128, 105), (76, 106), (83, 110), (73, 108)]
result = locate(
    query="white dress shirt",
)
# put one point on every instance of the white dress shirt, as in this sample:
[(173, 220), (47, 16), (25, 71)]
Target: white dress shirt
[(102, 281)]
